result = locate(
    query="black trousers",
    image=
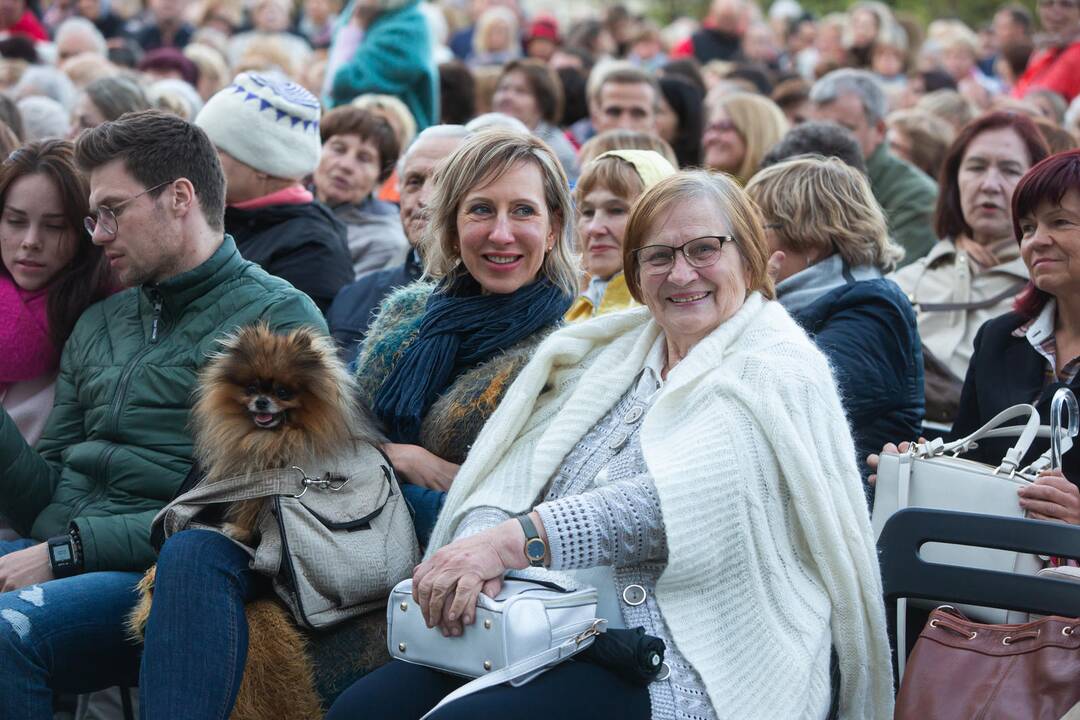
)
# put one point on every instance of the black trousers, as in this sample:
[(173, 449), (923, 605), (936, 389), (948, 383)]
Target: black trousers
[(570, 691)]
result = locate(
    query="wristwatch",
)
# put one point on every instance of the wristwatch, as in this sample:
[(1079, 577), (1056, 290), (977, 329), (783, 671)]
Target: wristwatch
[(65, 555), (535, 547)]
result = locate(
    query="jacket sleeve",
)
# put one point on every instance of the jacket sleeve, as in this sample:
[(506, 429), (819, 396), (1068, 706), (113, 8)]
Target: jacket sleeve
[(293, 311), (117, 542), (968, 416), (871, 346), (910, 219), (384, 63), (617, 524), (29, 476)]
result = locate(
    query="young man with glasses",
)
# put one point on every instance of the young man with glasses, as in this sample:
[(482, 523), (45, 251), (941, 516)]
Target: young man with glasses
[(117, 445), (1056, 63)]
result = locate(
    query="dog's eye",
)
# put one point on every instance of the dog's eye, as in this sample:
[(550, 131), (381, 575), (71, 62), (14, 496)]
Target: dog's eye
[(252, 390), (282, 393)]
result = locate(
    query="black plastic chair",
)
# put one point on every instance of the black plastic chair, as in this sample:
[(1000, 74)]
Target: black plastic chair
[(905, 574)]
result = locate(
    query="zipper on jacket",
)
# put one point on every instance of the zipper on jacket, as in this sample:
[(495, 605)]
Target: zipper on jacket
[(125, 376), (156, 296)]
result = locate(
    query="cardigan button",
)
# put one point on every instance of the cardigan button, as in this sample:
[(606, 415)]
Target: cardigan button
[(618, 440), (633, 415), (634, 595), (665, 672)]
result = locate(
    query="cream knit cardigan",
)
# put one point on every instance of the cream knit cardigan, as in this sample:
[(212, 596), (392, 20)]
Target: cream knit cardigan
[(771, 559)]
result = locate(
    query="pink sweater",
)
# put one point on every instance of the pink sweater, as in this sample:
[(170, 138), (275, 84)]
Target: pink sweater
[(24, 334)]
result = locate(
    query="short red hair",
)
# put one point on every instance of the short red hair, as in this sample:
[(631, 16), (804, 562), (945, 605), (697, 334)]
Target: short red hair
[(1046, 182)]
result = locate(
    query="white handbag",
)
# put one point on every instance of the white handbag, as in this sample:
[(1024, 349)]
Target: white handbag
[(931, 475), (529, 627)]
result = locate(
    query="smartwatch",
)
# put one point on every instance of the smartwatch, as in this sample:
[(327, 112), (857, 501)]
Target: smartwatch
[(64, 556), (535, 547)]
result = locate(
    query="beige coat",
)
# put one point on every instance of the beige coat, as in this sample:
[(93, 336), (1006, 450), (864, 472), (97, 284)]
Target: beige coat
[(948, 276)]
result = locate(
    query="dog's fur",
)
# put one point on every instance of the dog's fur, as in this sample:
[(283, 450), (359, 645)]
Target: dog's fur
[(268, 401)]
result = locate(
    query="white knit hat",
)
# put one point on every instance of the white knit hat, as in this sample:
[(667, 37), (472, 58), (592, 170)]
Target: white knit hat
[(267, 123)]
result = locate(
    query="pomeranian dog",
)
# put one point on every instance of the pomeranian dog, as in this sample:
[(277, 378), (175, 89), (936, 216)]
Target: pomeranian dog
[(264, 402)]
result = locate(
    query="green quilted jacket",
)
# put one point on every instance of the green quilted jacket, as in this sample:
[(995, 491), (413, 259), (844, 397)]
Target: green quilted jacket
[(117, 444)]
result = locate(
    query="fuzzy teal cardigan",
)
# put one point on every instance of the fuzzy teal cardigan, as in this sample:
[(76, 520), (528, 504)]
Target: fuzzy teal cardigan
[(456, 418)]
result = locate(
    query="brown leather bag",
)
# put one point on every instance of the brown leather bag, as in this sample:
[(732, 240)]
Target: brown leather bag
[(961, 670)]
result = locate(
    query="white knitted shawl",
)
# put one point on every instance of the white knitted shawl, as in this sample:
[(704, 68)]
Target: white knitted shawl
[(770, 554)]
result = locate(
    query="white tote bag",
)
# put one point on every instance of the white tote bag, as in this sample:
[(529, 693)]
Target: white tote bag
[(930, 475)]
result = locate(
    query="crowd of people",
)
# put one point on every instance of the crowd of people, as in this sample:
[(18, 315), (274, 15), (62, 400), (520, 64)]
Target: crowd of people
[(654, 295)]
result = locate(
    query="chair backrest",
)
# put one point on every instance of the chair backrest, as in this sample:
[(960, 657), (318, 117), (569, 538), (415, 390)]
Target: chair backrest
[(905, 574)]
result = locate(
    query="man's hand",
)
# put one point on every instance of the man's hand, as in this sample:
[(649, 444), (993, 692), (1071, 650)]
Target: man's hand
[(25, 567)]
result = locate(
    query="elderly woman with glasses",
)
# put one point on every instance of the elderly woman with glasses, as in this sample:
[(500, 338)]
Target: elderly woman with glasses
[(690, 459)]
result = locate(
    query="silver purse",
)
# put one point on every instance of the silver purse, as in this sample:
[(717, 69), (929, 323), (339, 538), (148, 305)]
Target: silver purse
[(529, 627)]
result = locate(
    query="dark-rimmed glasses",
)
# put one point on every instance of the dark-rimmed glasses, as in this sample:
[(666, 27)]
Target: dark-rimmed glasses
[(699, 253), (106, 216)]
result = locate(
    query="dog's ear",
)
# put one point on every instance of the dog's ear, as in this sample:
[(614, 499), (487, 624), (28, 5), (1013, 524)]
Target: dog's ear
[(302, 339)]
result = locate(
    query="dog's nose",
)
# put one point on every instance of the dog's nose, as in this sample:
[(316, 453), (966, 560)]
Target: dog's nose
[(262, 404)]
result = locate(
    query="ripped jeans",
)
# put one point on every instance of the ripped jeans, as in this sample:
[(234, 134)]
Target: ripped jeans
[(64, 636)]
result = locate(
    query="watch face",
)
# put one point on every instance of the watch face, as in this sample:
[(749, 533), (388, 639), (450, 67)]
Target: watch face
[(535, 549), (61, 553)]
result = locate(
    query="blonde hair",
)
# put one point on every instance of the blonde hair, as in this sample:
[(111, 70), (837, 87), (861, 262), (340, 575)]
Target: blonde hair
[(618, 176), (396, 113), (823, 204), (759, 121), (624, 140), (211, 64), (482, 159), (488, 19), (714, 190), (954, 34), (949, 105)]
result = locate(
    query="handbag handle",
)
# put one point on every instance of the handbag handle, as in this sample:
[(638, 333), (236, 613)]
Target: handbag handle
[(1013, 455), (538, 662), (1061, 439)]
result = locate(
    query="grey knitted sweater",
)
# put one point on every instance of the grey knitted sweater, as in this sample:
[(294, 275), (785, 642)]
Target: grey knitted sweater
[(601, 509)]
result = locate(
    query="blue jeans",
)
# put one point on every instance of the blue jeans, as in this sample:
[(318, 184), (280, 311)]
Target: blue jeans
[(425, 505), (197, 634), (569, 691), (64, 636)]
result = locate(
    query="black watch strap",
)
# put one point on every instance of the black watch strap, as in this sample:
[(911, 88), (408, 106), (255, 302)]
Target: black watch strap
[(535, 547), (64, 556)]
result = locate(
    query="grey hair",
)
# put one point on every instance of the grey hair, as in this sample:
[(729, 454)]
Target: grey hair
[(496, 120), (853, 82), (47, 81), (434, 132), (117, 95), (817, 138), (81, 24), (175, 96), (43, 118)]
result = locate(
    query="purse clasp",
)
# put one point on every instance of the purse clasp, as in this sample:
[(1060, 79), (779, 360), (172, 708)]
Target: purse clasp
[(591, 631)]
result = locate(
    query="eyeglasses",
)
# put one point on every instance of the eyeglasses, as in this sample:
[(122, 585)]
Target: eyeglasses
[(700, 252), (106, 216)]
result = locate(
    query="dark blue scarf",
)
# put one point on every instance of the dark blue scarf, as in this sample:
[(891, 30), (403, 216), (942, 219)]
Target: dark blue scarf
[(461, 328)]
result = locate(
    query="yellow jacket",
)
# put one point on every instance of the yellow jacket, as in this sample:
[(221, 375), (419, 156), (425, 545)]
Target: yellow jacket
[(616, 297)]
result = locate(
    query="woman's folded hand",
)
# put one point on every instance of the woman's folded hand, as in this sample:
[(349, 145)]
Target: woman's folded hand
[(417, 466), (1051, 497), (447, 585)]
